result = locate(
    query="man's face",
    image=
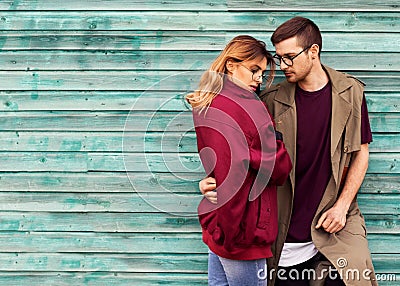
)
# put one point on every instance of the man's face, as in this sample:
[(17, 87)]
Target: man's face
[(302, 63)]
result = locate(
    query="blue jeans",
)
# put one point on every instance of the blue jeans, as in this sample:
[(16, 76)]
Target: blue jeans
[(227, 272)]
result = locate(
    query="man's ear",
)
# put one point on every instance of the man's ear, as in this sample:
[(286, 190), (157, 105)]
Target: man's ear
[(314, 49)]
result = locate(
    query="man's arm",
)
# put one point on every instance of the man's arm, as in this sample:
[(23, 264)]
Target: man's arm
[(334, 219)]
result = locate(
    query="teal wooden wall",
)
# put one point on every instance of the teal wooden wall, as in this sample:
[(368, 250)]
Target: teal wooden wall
[(98, 159)]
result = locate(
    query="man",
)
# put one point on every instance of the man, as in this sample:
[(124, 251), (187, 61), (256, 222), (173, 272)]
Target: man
[(323, 117)]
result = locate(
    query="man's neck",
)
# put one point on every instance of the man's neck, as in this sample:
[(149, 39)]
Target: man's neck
[(315, 80)]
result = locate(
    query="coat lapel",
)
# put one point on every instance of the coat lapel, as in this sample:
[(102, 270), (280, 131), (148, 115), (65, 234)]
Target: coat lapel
[(341, 109), (286, 121)]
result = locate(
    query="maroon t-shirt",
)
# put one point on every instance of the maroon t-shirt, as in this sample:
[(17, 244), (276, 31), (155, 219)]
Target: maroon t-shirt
[(313, 162)]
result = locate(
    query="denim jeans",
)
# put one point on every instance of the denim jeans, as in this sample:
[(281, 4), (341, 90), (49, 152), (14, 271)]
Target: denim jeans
[(222, 271)]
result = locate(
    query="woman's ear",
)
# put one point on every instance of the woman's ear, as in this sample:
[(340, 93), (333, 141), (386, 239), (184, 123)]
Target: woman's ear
[(230, 66)]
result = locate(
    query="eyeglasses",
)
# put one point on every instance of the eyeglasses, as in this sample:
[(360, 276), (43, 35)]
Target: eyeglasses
[(286, 59), (254, 75)]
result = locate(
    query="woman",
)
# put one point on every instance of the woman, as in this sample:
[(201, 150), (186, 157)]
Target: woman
[(239, 147)]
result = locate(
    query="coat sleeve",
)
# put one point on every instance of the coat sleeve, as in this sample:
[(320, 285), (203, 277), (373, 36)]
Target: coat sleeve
[(269, 155), (283, 165), (225, 155)]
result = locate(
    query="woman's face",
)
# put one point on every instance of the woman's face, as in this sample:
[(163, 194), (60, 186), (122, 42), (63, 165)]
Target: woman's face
[(248, 74)]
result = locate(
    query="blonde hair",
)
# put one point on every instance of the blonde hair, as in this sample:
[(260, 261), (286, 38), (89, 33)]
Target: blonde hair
[(240, 48)]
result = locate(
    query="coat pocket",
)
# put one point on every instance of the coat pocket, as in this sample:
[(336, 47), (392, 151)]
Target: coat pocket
[(356, 226), (257, 227), (264, 211)]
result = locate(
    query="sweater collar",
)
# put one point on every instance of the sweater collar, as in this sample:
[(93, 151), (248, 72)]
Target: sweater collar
[(237, 90)]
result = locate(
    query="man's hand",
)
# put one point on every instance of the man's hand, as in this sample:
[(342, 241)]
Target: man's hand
[(333, 220), (207, 187)]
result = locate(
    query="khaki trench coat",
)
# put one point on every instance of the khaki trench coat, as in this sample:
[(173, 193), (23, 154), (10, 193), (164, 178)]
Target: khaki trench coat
[(347, 249)]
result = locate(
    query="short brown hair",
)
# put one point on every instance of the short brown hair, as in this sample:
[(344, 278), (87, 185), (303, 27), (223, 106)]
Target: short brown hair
[(306, 31)]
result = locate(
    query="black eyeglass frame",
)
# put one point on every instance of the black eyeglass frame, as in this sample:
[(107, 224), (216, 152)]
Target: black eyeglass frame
[(278, 59), (263, 75)]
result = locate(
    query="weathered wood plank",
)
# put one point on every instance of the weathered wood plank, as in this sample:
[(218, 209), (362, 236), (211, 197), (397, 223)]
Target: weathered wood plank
[(109, 121), (147, 80), (146, 201), (384, 122), (124, 279), (135, 121), (142, 162), (383, 243), (130, 263), (147, 162), (112, 182), (124, 243), (193, 21), (216, 5), (101, 141), (126, 60), (98, 182), (100, 80), (137, 100), (190, 162), (94, 101), (111, 41), (167, 60), (68, 121), (129, 243), (388, 279), (114, 5), (60, 141), (142, 202), (385, 143), (381, 184), (383, 102), (139, 222), (37, 161), (178, 41), (19, 278), (114, 222), (386, 263), (314, 5), (133, 263), (384, 163), (390, 203), (380, 224)]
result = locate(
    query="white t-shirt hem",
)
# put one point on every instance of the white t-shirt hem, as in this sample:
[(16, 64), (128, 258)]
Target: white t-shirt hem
[(294, 253)]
